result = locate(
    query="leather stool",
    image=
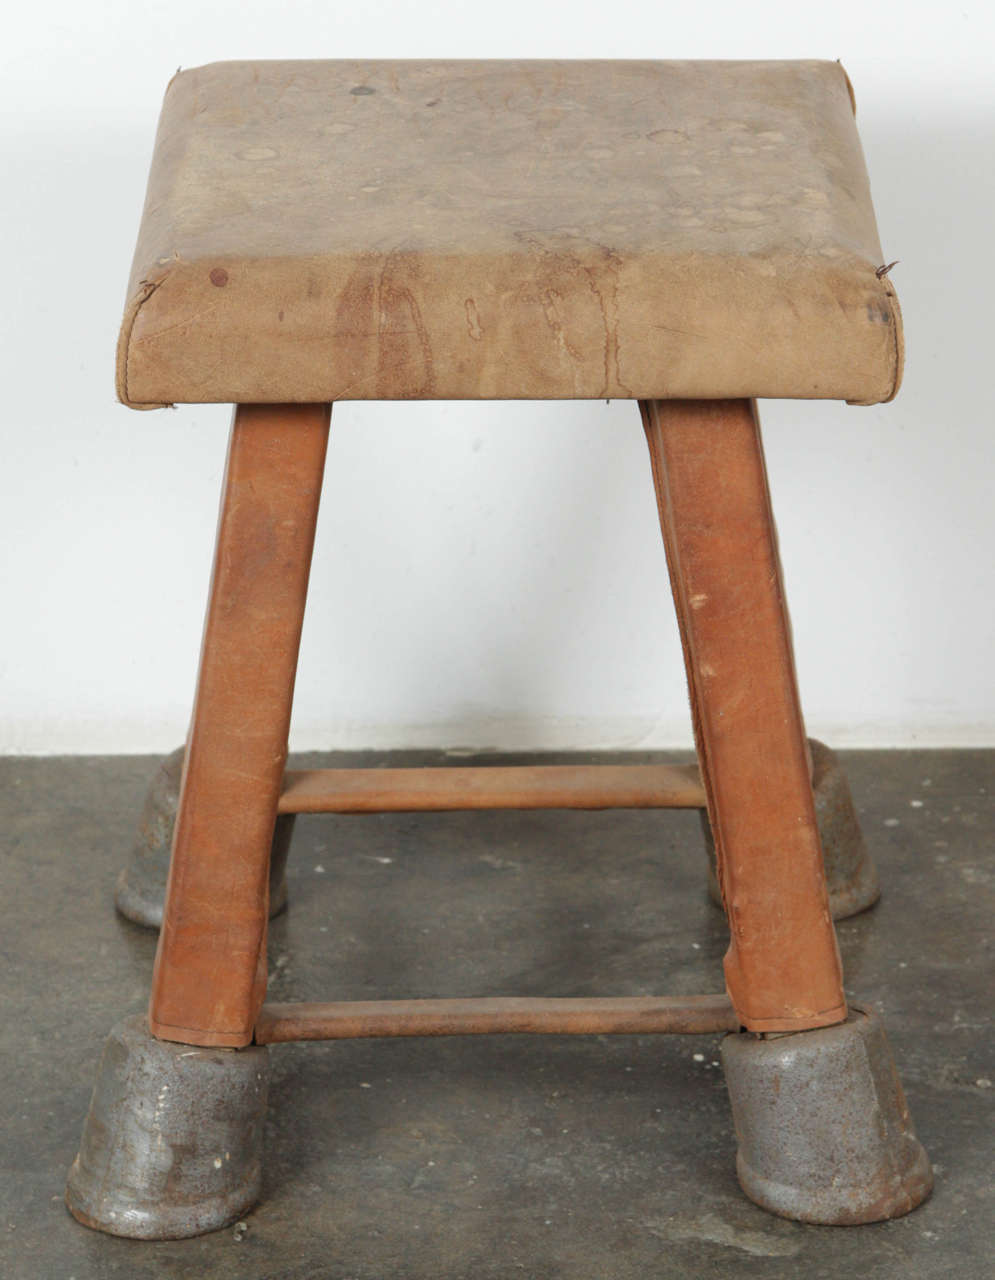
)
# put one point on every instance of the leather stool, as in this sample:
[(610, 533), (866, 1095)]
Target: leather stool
[(688, 235)]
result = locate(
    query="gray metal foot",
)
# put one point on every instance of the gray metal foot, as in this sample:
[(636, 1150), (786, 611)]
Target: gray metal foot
[(141, 887), (851, 876), (824, 1132), (172, 1143)]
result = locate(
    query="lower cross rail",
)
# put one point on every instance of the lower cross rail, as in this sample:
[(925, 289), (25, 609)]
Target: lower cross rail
[(574, 786), (607, 1015)]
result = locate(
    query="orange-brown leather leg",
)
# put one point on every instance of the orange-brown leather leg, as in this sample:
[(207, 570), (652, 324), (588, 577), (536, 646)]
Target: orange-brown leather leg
[(210, 970), (782, 967)]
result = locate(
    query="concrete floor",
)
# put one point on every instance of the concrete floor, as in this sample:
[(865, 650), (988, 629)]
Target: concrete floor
[(505, 1156)]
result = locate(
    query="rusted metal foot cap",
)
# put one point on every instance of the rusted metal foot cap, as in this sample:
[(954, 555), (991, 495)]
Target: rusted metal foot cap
[(172, 1144), (141, 886), (851, 877), (823, 1128)]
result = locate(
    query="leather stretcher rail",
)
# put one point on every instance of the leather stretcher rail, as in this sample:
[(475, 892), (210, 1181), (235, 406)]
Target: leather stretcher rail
[(492, 787)]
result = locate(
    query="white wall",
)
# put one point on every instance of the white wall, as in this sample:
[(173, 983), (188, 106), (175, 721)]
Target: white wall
[(485, 575)]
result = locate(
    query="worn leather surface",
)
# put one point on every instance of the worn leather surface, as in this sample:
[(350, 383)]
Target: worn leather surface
[(319, 231)]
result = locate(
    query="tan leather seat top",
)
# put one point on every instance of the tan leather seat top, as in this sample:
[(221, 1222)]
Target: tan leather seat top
[(321, 231)]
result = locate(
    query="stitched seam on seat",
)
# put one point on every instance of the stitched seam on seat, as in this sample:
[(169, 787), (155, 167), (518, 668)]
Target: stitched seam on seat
[(896, 333), (897, 355), (148, 288), (849, 88)]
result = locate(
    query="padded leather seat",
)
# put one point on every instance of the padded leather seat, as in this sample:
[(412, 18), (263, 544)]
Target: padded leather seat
[(320, 231)]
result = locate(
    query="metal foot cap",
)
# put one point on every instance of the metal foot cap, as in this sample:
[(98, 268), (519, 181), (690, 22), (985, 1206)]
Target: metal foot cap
[(172, 1143), (823, 1128), (141, 886)]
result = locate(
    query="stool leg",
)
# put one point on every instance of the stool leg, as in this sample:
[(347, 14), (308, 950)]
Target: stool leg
[(782, 967), (172, 1143), (210, 971), (823, 1130)]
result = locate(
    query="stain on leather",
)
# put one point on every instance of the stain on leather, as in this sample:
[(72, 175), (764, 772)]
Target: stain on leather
[(403, 339), (473, 320)]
